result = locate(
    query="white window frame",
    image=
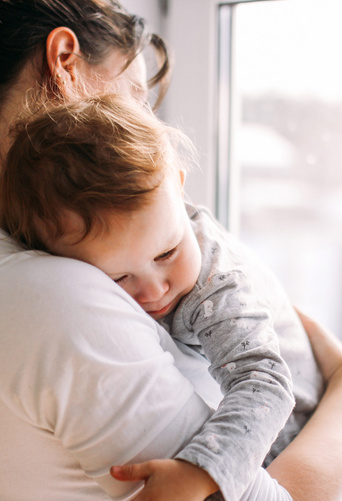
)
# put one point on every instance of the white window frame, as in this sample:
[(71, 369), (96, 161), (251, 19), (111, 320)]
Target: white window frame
[(210, 113)]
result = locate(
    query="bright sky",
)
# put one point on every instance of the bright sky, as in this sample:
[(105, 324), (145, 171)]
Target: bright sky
[(294, 46)]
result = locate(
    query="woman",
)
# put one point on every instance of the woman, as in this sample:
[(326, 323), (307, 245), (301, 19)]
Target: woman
[(87, 380)]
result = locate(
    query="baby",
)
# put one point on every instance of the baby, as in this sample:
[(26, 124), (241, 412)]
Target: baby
[(102, 180)]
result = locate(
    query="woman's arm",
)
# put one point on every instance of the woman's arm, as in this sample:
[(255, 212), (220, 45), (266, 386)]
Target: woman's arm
[(311, 466)]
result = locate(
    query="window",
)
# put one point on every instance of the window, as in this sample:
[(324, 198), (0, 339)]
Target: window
[(257, 85), (286, 135)]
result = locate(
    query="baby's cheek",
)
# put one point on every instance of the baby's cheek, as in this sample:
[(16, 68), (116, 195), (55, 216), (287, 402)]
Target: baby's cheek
[(191, 269), (196, 261), (129, 289)]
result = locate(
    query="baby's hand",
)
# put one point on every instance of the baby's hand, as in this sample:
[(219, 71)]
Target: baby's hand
[(168, 480)]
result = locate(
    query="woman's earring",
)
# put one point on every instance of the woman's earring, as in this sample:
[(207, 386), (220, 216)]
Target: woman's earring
[(58, 76)]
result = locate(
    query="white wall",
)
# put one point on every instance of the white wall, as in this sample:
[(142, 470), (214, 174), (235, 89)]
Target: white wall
[(148, 9), (189, 29)]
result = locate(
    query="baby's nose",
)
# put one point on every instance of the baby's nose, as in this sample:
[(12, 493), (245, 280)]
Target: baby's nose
[(152, 291)]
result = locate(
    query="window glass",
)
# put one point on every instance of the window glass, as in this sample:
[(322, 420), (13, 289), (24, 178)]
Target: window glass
[(287, 140)]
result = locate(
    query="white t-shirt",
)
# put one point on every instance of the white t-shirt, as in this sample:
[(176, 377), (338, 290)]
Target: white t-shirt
[(86, 381)]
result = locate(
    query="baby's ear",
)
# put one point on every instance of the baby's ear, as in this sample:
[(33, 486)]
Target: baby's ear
[(182, 177)]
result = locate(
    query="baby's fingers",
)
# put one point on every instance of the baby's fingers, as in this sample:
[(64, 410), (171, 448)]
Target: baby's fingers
[(131, 472)]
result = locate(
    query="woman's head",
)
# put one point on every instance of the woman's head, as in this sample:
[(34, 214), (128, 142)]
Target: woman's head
[(84, 160), (57, 36)]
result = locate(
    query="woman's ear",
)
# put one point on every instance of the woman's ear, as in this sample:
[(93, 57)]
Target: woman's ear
[(62, 52)]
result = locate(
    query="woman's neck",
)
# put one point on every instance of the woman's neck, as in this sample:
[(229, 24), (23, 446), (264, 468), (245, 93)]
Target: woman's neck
[(10, 110), (9, 113), (12, 107)]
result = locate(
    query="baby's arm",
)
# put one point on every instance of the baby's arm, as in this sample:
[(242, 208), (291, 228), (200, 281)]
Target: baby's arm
[(168, 480), (237, 336), (173, 480)]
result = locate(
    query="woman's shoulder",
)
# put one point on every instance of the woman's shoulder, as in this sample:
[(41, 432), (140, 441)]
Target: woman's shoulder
[(38, 274), (57, 310), (78, 356), (54, 296)]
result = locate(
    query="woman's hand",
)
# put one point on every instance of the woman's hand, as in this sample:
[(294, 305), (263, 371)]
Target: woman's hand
[(326, 347), (168, 480)]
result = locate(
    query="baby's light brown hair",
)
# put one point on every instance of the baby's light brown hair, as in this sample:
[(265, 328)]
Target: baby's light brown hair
[(89, 157)]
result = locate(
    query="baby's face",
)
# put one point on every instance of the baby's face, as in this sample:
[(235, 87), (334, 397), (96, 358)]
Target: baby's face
[(152, 253)]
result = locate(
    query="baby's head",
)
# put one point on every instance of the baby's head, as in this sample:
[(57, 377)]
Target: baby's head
[(101, 180)]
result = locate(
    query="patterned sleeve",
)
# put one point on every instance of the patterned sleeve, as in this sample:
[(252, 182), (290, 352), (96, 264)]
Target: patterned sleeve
[(236, 334)]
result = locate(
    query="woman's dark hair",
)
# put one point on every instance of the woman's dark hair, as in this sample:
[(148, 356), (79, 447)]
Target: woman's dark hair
[(100, 25)]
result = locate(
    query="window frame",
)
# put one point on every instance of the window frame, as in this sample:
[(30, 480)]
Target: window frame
[(208, 119)]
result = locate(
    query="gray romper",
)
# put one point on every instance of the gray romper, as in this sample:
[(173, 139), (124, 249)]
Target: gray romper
[(239, 317)]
